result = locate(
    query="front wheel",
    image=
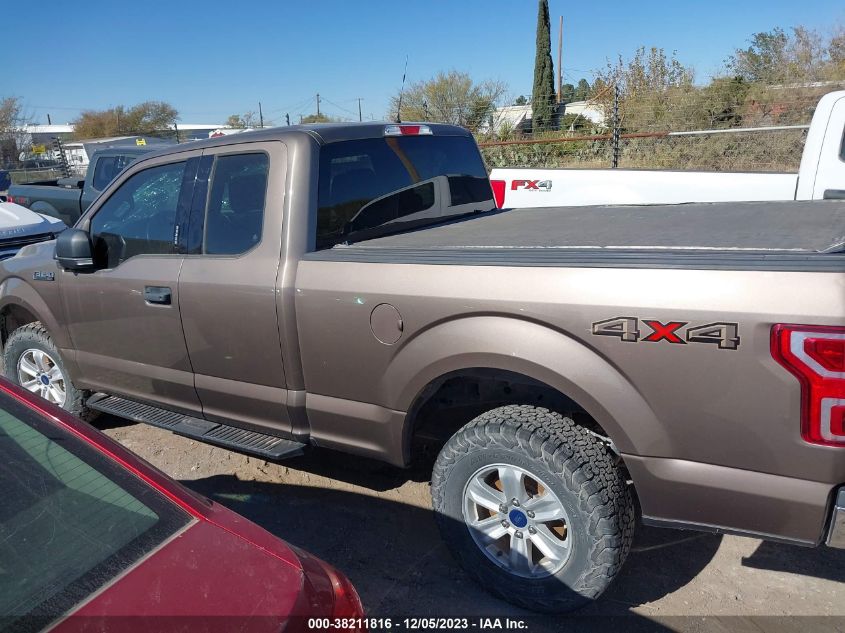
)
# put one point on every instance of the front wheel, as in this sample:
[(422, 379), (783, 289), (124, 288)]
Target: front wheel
[(534, 508), (32, 360)]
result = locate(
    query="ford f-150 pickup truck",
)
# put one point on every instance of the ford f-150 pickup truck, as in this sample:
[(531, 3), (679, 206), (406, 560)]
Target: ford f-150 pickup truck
[(67, 198), (821, 175), (354, 286)]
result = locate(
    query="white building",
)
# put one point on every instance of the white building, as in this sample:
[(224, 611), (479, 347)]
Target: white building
[(518, 117)]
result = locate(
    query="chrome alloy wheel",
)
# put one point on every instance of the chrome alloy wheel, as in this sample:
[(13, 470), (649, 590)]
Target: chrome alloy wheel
[(39, 372), (517, 521)]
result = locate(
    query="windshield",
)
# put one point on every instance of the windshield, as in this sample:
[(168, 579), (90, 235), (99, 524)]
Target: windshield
[(377, 185), (70, 521)]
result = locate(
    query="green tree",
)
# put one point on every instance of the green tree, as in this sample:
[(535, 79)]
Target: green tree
[(147, 118), (800, 56), (543, 93), (582, 90), (317, 118), (520, 100), (765, 61), (12, 134), (247, 120), (654, 89), (451, 97)]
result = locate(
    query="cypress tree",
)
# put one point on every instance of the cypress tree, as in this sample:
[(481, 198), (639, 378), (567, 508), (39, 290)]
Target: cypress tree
[(544, 82)]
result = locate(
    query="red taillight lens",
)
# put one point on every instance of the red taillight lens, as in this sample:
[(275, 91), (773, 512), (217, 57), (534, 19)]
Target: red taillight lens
[(816, 356), (499, 192), (829, 353), (347, 603)]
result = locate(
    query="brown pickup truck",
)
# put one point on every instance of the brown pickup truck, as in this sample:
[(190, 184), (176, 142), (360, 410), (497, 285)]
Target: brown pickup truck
[(354, 287)]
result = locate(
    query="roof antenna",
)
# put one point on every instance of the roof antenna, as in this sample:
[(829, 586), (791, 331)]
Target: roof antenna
[(399, 107)]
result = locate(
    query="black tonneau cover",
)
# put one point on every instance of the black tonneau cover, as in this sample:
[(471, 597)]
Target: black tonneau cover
[(753, 227)]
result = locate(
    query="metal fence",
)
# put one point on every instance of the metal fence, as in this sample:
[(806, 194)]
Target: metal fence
[(764, 129), (771, 149)]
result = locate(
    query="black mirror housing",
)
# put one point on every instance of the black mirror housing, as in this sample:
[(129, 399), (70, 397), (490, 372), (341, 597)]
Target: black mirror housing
[(73, 250)]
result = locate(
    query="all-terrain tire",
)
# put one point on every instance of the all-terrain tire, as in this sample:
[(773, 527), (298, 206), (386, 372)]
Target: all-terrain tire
[(35, 336), (581, 471)]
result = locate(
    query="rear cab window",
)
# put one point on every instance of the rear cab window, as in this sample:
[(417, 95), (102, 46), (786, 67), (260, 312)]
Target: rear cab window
[(71, 519), (235, 214), (373, 186), (107, 168)]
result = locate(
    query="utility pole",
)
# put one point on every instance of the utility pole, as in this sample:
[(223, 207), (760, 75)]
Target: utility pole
[(287, 118), (560, 60), (260, 116), (49, 122), (318, 104), (300, 119), (360, 117), (176, 129)]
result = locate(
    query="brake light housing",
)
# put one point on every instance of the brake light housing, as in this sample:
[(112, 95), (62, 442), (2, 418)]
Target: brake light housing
[(816, 356), (407, 130)]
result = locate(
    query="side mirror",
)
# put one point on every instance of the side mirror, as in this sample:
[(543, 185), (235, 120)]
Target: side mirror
[(73, 250)]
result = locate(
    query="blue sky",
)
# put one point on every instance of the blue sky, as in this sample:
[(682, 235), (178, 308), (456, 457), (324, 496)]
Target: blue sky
[(213, 58)]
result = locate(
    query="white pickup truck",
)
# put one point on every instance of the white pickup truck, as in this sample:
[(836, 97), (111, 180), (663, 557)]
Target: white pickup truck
[(821, 175)]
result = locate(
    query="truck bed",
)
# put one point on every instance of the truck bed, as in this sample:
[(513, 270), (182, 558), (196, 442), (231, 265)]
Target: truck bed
[(778, 235)]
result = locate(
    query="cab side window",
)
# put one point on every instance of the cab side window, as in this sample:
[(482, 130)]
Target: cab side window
[(235, 215), (106, 169), (140, 217)]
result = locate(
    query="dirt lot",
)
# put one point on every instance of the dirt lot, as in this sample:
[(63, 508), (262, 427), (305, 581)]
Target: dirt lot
[(374, 522)]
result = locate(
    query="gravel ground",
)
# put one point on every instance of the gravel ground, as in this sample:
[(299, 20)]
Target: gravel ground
[(374, 522)]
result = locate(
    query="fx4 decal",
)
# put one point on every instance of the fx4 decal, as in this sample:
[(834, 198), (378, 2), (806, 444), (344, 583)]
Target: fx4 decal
[(532, 185), (627, 329)]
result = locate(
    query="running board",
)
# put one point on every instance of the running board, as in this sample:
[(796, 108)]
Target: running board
[(254, 442)]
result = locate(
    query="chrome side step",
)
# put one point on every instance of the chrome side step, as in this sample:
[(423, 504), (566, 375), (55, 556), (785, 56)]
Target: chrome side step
[(239, 439)]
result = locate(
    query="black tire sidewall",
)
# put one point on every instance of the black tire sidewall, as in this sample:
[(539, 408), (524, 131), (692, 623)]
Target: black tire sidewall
[(457, 534), (24, 339)]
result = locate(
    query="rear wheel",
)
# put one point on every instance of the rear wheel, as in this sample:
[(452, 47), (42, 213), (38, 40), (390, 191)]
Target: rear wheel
[(533, 507), (32, 361)]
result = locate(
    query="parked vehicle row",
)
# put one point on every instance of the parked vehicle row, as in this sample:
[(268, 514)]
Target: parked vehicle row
[(354, 286), (67, 198), (821, 176)]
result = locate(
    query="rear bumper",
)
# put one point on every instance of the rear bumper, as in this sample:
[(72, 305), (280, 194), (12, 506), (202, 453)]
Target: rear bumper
[(836, 532), (691, 495)]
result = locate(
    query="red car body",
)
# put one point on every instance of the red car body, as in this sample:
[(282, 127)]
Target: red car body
[(216, 572)]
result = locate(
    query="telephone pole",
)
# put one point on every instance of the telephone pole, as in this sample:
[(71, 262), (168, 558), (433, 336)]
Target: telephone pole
[(287, 118), (560, 60), (318, 104), (360, 117), (260, 116)]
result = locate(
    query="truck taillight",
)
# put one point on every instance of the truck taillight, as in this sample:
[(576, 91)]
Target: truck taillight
[(499, 192), (407, 130), (816, 356)]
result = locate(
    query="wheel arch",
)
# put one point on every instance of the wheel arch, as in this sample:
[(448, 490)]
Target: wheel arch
[(21, 304), (527, 351)]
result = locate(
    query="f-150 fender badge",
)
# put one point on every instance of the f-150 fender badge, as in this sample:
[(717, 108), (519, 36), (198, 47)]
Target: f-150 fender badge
[(40, 275), (724, 335)]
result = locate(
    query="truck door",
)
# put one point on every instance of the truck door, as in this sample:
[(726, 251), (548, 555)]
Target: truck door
[(825, 171), (123, 317), (227, 286)]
